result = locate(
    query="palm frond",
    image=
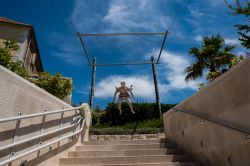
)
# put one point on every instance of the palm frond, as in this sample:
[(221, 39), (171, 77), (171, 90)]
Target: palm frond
[(194, 71)]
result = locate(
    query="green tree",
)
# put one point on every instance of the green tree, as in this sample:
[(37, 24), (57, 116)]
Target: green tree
[(243, 29), (56, 85), (213, 57)]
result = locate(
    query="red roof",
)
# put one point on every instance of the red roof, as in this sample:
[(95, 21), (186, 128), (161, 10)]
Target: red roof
[(9, 21)]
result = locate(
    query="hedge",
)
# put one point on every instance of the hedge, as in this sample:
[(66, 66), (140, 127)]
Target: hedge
[(143, 111)]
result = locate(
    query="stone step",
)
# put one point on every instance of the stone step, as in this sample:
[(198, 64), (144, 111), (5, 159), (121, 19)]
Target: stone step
[(123, 142), (143, 164), (123, 147), (124, 160), (132, 152)]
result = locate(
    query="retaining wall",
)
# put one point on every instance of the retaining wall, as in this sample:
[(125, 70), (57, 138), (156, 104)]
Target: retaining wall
[(18, 95), (226, 100)]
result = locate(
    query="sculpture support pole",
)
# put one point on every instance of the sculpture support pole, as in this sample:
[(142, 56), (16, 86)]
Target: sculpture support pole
[(157, 96), (91, 99)]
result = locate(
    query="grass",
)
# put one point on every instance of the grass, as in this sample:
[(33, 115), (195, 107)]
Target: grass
[(145, 127)]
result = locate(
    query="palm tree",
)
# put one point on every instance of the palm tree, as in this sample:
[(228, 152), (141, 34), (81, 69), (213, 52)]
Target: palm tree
[(213, 57)]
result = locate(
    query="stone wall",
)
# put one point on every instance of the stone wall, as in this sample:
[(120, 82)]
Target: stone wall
[(19, 34), (226, 100), (127, 137), (18, 95)]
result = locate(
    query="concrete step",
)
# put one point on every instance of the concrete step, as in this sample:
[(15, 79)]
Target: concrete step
[(124, 160), (123, 147), (143, 164), (123, 142), (132, 152)]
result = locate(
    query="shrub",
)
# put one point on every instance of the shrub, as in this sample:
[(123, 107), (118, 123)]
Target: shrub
[(144, 111), (56, 85), (154, 123)]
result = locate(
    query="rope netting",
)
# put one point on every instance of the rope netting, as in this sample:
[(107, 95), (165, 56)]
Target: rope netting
[(123, 48)]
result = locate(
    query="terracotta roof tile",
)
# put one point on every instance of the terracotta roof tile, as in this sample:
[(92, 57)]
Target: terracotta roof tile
[(9, 21)]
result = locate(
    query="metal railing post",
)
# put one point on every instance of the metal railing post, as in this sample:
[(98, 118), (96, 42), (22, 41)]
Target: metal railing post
[(15, 136), (41, 132), (77, 120), (61, 125)]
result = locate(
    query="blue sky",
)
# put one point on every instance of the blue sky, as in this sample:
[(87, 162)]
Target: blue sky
[(57, 21)]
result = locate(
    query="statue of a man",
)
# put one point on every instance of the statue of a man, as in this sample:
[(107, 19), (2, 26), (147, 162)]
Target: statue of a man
[(124, 96)]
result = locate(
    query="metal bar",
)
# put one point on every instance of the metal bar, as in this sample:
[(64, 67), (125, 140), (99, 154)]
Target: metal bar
[(84, 48), (124, 34), (39, 148), (61, 124), (38, 114), (41, 131), (125, 64), (162, 46), (214, 121), (73, 120), (157, 96), (91, 99), (15, 136), (38, 136)]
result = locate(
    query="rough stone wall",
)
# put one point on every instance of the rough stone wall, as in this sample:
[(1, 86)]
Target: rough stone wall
[(9, 32), (226, 100), (127, 137)]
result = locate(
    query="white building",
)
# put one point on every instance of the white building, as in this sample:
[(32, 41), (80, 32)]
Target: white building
[(24, 35)]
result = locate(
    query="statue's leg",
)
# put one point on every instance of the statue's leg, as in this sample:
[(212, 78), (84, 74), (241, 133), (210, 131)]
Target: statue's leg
[(120, 105), (130, 105)]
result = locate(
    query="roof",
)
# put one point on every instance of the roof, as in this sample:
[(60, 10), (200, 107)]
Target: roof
[(9, 21), (13, 22)]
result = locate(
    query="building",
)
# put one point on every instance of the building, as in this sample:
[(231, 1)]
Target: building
[(24, 35)]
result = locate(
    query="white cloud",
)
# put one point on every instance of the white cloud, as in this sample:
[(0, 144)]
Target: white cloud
[(171, 70), (198, 38), (195, 12), (143, 87), (174, 65), (127, 15), (232, 41), (119, 16)]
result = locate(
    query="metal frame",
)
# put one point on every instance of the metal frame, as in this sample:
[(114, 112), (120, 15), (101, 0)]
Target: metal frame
[(157, 95), (125, 64), (122, 34), (76, 121), (162, 46), (152, 62)]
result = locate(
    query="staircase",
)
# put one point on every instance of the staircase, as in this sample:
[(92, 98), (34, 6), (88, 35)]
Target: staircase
[(127, 153)]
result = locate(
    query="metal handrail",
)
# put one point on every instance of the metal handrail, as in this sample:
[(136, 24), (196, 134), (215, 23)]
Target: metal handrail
[(38, 114), (246, 132), (40, 147), (39, 136), (77, 121)]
